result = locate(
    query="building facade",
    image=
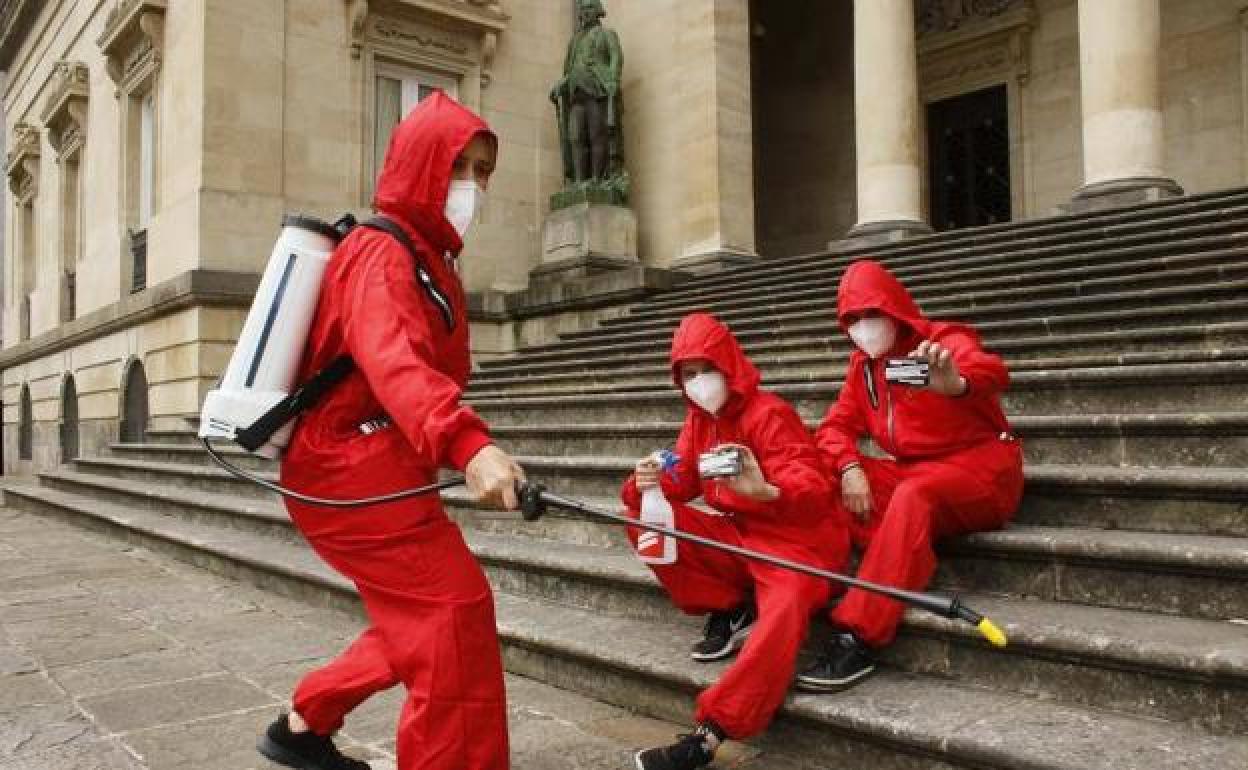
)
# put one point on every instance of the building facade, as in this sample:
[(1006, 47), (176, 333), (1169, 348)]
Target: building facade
[(153, 146)]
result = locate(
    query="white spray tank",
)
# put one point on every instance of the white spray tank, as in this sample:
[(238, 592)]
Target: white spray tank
[(265, 362), (652, 547)]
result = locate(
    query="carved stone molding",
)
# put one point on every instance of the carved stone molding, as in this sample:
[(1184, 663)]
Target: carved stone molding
[(934, 16), (65, 113), (970, 44), (133, 42), (22, 162), (437, 27)]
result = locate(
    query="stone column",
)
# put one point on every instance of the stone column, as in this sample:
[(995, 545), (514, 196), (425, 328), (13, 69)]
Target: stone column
[(1120, 79), (886, 111)]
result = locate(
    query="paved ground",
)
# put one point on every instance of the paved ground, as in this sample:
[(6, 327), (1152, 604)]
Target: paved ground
[(114, 657)]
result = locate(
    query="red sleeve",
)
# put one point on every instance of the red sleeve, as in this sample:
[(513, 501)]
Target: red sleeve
[(790, 461), (837, 436), (985, 372), (389, 336), (681, 484)]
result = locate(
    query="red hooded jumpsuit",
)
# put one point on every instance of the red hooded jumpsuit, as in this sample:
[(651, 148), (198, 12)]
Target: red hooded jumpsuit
[(803, 525), (957, 468), (430, 608)]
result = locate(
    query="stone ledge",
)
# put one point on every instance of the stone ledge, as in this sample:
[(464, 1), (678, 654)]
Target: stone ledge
[(614, 287), (193, 288)]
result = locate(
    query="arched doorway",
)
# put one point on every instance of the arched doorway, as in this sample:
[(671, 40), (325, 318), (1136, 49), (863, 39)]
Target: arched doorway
[(134, 411), (25, 427), (69, 420)]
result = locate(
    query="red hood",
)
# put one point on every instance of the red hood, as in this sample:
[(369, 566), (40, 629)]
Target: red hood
[(866, 285), (415, 178), (702, 336)]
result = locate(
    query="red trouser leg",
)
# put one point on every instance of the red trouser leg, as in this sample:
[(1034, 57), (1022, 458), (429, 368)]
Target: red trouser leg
[(702, 579), (324, 697), (750, 690), (973, 491), (432, 618)]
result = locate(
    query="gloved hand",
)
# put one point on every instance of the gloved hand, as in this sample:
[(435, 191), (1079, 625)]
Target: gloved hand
[(751, 482), (646, 474), (492, 476), (945, 378)]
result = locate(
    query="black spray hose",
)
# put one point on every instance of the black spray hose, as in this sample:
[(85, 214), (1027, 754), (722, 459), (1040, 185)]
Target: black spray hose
[(534, 499), (533, 502), (454, 481)]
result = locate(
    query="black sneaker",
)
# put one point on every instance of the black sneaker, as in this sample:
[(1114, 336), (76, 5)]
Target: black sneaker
[(845, 662), (304, 751), (688, 752), (725, 632)]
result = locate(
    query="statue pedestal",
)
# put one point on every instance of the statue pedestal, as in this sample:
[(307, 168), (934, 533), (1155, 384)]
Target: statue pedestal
[(585, 239)]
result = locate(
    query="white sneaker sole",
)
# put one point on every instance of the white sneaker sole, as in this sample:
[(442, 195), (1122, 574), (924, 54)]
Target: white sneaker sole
[(728, 650)]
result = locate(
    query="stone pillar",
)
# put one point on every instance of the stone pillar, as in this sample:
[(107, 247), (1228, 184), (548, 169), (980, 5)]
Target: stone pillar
[(1120, 79), (713, 123), (886, 109)]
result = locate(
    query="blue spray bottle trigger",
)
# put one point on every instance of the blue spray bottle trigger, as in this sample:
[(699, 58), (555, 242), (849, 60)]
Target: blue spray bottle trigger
[(667, 462)]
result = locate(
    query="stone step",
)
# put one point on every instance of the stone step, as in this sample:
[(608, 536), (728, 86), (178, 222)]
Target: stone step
[(1210, 259), (1021, 352), (987, 242), (1222, 307), (1056, 650), (823, 323), (1187, 670), (1159, 388), (1198, 575), (1202, 501), (654, 378), (171, 451), (936, 271), (1207, 439)]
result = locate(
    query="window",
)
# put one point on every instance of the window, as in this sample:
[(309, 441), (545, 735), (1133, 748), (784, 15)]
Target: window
[(71, 233), (147, 155), (25, 427), (397, 90), (26, 242)]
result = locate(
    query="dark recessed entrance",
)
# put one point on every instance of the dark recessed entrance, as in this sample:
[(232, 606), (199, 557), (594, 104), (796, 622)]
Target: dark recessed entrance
[(969, 159)]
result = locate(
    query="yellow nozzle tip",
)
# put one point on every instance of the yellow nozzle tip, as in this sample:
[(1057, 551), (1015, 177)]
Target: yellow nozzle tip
[(992, 633)]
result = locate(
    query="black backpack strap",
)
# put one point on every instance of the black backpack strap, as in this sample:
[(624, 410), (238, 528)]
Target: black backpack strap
[(435, 294), (255, 435)]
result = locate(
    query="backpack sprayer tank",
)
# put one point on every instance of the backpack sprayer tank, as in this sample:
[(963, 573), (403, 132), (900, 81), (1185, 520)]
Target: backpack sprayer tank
[(262, 370)]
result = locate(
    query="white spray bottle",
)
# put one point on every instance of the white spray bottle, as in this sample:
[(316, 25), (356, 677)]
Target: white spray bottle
[(653, 548)]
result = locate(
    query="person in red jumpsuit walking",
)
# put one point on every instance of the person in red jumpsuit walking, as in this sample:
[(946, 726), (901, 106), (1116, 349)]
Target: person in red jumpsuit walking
[(955, 467), (390, 426), (781, 504)]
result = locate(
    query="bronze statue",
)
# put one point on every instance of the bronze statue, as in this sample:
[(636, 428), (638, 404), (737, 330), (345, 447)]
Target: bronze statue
[(587, 106)]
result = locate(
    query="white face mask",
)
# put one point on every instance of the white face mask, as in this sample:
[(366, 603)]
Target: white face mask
[(874, 336), (464, 200), (708, 390)]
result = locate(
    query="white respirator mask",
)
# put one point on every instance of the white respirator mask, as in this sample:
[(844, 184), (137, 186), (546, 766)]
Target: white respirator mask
[(874, 336), (464, 200), (708, 390)]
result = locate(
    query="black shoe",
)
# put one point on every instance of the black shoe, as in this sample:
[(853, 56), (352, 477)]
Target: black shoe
[(844, 663), (725, 633), (304, 751), (688, 752)]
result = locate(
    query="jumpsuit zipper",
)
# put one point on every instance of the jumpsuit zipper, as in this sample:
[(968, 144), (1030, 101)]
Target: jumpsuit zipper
[(888, 395)]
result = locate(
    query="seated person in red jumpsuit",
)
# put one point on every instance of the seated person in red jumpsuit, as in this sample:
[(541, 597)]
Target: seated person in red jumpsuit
[(955, 466), (390, 426), (781, 504)]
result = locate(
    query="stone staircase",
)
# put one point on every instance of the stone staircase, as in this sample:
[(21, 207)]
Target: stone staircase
[(1123, 584)]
